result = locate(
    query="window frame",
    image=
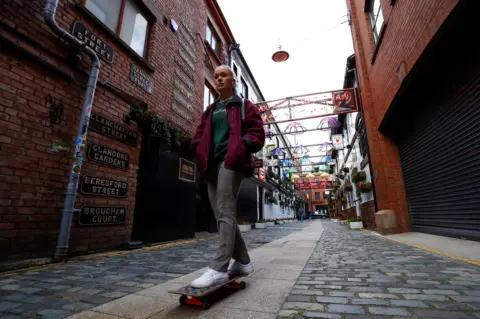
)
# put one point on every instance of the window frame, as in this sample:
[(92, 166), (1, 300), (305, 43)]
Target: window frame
[(211, 91), (218, 48), (117, 32), (244, 87), (373, 18)]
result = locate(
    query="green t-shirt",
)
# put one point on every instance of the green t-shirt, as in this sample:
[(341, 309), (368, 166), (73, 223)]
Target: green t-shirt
[(220, 130)]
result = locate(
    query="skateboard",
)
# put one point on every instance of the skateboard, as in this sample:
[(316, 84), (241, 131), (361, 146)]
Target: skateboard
[(197, 296)]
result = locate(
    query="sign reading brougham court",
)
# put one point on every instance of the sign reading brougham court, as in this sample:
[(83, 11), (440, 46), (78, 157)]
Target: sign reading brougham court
[(96, 215)]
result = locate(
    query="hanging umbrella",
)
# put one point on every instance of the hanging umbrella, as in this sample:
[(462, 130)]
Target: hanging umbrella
[(268, 132), (277, 151), (295, 128), (328, 124), (325, 147), (300, 149)]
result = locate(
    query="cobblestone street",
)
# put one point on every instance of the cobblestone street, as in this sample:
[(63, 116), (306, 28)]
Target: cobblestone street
[(61, 290), (354, 274)]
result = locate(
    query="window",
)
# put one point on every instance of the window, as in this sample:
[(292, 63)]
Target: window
[(124, 18), (244, 91), (208, 97), (212, 40), (376, 18), (325, 196), (235, 69), (317, 195)]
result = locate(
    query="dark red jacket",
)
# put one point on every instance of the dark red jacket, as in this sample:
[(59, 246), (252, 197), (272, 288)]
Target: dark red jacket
[(244, 138)]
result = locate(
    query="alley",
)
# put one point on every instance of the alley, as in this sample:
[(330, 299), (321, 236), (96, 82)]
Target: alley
[(318, 269)]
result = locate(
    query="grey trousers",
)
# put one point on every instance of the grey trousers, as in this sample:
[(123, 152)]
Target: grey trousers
[(223, 186)]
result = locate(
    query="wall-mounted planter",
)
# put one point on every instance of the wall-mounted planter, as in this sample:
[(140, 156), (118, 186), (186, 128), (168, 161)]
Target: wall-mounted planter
[(245, 228), (260, 225), (356, 225)]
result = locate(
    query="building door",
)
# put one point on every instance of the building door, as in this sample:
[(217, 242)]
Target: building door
[(439, 143)]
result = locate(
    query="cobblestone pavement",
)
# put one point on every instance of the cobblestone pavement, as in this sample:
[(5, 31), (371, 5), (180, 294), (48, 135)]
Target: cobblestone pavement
[(61, 290), (354, 274)]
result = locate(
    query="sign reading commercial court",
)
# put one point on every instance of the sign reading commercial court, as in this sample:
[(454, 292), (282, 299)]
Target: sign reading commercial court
[(100, 186), (97, 215), (111, 129), (91, 40), (108, 156)]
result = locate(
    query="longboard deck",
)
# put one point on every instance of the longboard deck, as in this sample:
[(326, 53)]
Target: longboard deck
[(201, 292)]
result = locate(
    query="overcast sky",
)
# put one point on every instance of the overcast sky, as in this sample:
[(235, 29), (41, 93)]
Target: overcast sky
[(311, 31)]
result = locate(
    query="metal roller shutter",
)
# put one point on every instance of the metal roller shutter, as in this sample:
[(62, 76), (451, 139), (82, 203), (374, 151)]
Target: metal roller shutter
[(440, 158)]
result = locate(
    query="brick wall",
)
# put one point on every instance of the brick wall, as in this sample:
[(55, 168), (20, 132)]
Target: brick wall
[(367, 210), (349, 212), (33, 178), (410, 27)]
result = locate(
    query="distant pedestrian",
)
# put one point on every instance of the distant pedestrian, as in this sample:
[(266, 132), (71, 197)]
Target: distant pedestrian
[(231, 129), (301, 213)]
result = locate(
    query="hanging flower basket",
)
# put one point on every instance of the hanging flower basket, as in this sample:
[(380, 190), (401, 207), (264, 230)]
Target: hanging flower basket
[(360, 177), (344, 200), (341, 176), (346, 170), (348, 188), (365, 187)]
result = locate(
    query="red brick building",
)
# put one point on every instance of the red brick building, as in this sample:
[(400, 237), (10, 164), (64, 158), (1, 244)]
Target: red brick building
[(418, 72), (153, 55)]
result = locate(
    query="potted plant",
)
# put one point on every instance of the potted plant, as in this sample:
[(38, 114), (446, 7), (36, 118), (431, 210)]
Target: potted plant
[(260, 224), (270, 223), (365, 187), (347, 188), (244, 226), (355, 223), (360, 176)]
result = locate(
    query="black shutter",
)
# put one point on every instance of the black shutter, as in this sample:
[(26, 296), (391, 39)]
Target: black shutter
[(440, 158)]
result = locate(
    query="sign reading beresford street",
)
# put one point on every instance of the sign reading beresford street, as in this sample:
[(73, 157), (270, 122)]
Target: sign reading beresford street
[(91, 40), (111, 129), (108, 156), (100, 186), (96, 215)]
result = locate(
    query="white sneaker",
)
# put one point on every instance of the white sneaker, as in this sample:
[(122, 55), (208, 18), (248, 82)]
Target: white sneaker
[(210, 278), (237, 268)]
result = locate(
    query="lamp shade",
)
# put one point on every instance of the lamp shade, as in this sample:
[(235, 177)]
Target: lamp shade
[(280, 55)]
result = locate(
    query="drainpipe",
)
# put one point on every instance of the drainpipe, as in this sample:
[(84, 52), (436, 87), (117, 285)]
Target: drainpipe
[(48, 13)]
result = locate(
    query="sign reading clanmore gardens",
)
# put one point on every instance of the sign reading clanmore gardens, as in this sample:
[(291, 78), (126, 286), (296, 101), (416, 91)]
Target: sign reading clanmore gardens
[(100, 186), (108, 156), (92, 215), (111, 129)]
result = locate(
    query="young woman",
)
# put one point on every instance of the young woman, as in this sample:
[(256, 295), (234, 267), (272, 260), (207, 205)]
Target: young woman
[(230, 131)]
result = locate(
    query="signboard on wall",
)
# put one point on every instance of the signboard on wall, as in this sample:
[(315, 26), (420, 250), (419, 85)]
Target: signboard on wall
[(107, 156), (140, 78), (258, 163), (186, 170), (337, 141), (100, 186), (318, 185), (107, 127), (101, 48), (97, 215)]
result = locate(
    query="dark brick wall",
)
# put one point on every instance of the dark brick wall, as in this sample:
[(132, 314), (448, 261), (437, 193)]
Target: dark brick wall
[(367, 210), (410, 27), (349, 212), (33, 178)]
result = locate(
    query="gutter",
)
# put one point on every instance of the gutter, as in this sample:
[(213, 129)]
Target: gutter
[(49, 13)]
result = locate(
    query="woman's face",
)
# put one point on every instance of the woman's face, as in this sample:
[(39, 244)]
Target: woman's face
[(224, 80)]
